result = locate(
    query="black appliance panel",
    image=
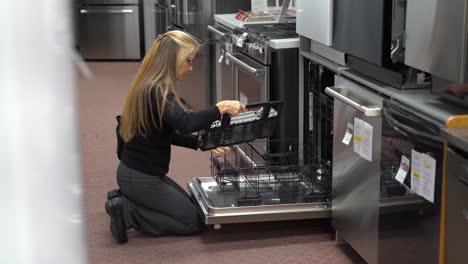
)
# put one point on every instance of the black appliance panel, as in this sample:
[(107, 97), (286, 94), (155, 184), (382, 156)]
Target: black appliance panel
[(363, 29)]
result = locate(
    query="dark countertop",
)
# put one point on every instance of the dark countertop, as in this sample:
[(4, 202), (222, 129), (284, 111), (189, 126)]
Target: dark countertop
[(457, 137)]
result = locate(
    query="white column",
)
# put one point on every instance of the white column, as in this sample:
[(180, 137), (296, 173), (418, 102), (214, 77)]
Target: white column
[(41, 214)]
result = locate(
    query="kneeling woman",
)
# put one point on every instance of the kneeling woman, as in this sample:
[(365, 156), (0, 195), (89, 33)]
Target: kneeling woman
[(153, 118)]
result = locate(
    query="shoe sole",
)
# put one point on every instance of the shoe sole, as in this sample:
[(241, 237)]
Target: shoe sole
[(115, 211)]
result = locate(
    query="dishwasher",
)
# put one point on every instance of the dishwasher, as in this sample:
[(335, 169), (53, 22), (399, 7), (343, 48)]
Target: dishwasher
[(379, 214), (110, 30), (275, 179)]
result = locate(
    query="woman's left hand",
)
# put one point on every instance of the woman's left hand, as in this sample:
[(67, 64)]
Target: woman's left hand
[(220, 150)]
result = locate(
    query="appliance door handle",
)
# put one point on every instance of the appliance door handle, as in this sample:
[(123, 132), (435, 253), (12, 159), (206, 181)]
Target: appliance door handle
[(372, 111), (409, 130), (185, 17), (216, 31), (105, 11), (241, 64)]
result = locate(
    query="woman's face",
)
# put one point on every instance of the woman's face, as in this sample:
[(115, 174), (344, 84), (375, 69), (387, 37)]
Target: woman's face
[(186, 65)]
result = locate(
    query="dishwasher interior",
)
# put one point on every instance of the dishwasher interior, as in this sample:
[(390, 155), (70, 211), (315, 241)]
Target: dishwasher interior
[(270, 179)]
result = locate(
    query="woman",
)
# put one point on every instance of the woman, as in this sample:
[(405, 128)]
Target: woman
[(153, 118)]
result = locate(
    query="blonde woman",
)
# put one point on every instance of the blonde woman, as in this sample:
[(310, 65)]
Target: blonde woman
[(153, 118)]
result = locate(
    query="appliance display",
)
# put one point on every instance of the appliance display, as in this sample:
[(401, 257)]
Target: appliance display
[(457, 205), (110, 30), (194, 17), (262, 73), (315, 20), (155, 17), (370, 208), (274, 179), (372, 33), (427, 47)]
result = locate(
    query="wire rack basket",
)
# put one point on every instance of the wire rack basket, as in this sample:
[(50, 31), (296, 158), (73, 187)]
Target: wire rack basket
[(277, 169), (259, 121), (390, 163)]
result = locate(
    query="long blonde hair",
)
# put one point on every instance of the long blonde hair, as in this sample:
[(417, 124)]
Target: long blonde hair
[(156, 76)]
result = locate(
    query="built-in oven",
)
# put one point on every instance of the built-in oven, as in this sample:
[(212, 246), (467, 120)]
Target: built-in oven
[(161, 19), (196, 15), (387, 171), (251, 80)]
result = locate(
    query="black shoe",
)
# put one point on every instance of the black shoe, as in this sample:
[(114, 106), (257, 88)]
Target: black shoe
[(113, 193), (114, 208)]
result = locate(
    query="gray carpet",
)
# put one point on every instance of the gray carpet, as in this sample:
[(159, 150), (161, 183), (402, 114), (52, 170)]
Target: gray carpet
[(307, 241)]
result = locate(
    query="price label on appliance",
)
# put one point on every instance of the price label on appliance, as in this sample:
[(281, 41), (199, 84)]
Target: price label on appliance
[(403, 170), (241, 40), (348, 135), (221, 57)]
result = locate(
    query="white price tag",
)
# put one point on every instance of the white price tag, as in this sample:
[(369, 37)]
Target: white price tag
[(367, 132), (348, 135), (221, 57), (403, 170), (241, 39)]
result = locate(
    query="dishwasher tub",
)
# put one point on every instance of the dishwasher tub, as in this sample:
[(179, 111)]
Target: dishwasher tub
[(264, 180)]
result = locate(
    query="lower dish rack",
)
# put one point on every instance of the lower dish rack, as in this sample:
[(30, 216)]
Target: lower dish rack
[(270, 172), (263, 180)]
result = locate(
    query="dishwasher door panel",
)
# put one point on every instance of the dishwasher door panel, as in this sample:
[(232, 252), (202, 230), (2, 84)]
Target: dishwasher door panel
[(355, 180), (219, 207), (110, 32)]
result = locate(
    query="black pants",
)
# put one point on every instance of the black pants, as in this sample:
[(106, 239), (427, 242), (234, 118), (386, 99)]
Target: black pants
[(156, 204)]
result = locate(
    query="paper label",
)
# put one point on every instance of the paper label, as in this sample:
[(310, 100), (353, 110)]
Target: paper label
[(367, 132), (358, 124), (403, 170), (416, 169), (348, 135), (428, 178), (221, 57), (241, 39), (423, 175)]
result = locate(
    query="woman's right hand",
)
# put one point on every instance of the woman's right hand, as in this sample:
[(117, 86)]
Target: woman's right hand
[(231, 107)]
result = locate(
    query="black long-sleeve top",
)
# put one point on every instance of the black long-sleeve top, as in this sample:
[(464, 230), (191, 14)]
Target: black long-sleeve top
[(151, 155)]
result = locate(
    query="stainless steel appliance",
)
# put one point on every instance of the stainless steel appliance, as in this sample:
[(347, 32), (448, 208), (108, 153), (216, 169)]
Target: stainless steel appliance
[(427, 47), (161, 16), (110, 30), (372, 33), (194, 17), (263, 73), (155, 15), (315, 20), (454, 219), (273, 179), (223, 81), (456, 213), (382, 219)]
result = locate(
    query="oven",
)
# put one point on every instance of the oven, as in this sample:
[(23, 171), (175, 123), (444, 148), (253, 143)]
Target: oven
[(161, 19), (224, 87), (251, 80), (386, 178)]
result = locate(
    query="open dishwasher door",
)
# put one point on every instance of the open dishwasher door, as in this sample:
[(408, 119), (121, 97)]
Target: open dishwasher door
[(265, 180)]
